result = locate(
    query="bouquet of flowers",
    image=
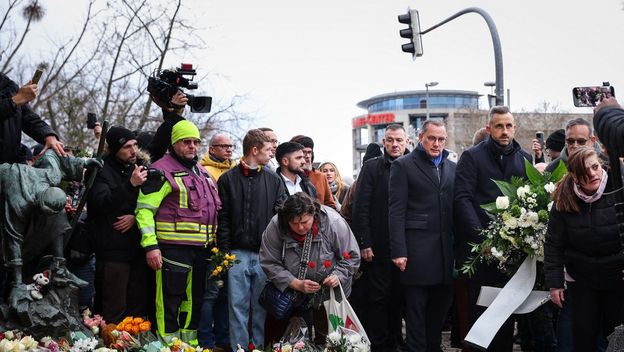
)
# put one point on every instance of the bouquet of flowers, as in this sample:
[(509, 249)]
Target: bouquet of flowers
[(519, 220), (134, 325), (220, 263), (345, 340)]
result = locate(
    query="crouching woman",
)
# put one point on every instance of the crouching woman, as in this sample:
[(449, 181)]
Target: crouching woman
[(333, 255)]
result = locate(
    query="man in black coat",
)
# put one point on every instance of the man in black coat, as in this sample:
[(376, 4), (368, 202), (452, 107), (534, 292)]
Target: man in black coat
[(121, 269), (382, 319), (16, 117), (421, 241), (497, 158)]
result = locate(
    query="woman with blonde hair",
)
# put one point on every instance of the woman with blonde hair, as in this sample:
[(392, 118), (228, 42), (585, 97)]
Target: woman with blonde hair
[(337, 186), (583, 237)]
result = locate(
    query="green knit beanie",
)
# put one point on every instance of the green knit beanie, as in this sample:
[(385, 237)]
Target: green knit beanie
[(184, 129)]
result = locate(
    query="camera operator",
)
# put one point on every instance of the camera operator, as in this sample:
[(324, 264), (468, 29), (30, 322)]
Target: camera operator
[(16, 116), (121, 270), (171, 115)]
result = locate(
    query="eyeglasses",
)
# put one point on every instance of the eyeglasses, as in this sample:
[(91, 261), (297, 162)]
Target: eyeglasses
[(433, 139), (274, 141), (579, 141), (225, 146)]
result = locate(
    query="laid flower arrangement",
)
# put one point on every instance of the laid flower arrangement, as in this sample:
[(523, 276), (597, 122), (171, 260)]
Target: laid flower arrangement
[(220, 263), (519, 221), (345, 340), (11, 341), (95, 323), (134, 325)]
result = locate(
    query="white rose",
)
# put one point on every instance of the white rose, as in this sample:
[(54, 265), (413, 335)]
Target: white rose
[(549, 187), (502, 202), (29, 342), (5, 345), (523, 191), (511, 223), (334, 337), (355, 338)]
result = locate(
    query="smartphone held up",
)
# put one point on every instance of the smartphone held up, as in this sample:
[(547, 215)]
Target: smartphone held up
[(36, 76), (591, 96)]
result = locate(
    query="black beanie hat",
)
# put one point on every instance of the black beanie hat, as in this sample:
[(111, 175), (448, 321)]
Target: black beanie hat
[(306, 141), (116, 137), (372, 150), (286, 148), (556, 140)]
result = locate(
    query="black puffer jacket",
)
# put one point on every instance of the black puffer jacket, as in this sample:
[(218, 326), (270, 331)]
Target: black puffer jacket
[(609, 126), (112, 195), (14, 120), (248, 202), (588, 244)]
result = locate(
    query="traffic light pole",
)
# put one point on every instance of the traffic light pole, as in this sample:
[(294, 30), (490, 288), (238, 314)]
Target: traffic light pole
[(498, 54)]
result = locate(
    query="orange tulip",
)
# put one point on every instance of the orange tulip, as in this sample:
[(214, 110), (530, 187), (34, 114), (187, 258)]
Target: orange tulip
[(137, 320), (135, 330), (128, 328), (120, 327), (145, 326), (127, 320)]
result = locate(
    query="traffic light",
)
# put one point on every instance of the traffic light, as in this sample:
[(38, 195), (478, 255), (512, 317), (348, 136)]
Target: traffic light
[(412, 33)]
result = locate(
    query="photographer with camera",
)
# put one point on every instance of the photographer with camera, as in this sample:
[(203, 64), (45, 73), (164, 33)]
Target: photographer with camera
[(16, 116), (121, 270), (165, 88)]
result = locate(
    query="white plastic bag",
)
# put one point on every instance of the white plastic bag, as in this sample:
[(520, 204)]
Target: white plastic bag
[(341, 315)]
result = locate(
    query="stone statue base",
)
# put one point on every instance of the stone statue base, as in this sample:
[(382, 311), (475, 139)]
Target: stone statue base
[(55, 315)]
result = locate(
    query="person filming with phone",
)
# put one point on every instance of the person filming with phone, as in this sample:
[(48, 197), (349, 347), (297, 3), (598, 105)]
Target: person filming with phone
[(16, 115)]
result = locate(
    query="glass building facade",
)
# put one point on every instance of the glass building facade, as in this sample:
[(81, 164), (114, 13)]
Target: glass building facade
[(419, 101)]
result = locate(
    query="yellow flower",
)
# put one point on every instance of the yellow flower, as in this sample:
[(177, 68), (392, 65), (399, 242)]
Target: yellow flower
[(233, 256), (219, 268), (215, 273), (215, 250), (226, 263)]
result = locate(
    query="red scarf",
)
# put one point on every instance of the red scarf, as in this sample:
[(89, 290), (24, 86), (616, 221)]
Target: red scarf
[(301, 238)]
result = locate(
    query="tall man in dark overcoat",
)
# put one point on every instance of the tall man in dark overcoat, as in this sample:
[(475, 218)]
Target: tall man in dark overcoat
[(421, 235), (499, 157)]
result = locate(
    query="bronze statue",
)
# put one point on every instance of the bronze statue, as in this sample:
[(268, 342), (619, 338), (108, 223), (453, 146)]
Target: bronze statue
[(34, 221)]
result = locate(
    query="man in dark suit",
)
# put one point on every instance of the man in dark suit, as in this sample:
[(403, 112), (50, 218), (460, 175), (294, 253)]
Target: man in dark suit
[(497, 158), (421, 243)]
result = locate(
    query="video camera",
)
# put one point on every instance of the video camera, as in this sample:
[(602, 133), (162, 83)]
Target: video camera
[(163, 85)]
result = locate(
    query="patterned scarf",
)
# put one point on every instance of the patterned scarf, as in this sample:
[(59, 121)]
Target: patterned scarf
[(594, 197)]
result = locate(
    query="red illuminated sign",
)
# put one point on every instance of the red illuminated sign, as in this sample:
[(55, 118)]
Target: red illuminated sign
[(373, 119)]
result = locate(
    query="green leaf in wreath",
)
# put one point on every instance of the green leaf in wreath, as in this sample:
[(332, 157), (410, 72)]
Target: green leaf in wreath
[(559, 172), (507, 189), (490, 207), (534, 176)]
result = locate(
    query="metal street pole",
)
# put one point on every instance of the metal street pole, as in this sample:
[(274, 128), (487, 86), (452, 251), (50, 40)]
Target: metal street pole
[(498, 53), (427, 85)]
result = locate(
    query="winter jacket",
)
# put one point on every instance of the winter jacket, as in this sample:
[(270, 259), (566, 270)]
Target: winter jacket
[(249, 198), (370, 214), (306, 186), (476, 171), (113, 195), (17, 119), (609, 126), (421, 217), (323, 193), (216, 168), (587, 244), (329, 246)]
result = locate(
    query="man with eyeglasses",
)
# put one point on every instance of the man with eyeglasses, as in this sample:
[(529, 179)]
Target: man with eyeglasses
[(500, 157), (420, 219), (218, 160), (578, 133), (177, 217)]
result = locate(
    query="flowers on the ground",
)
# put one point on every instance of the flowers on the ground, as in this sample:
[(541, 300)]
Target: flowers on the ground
[(134, 325), (345, 340), (519, 220), (94, 323)]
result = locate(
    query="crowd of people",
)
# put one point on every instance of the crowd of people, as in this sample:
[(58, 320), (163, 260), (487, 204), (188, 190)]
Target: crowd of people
[(159, 210)]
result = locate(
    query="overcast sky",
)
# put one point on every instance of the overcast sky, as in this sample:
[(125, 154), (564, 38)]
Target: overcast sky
[(305, 65)]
